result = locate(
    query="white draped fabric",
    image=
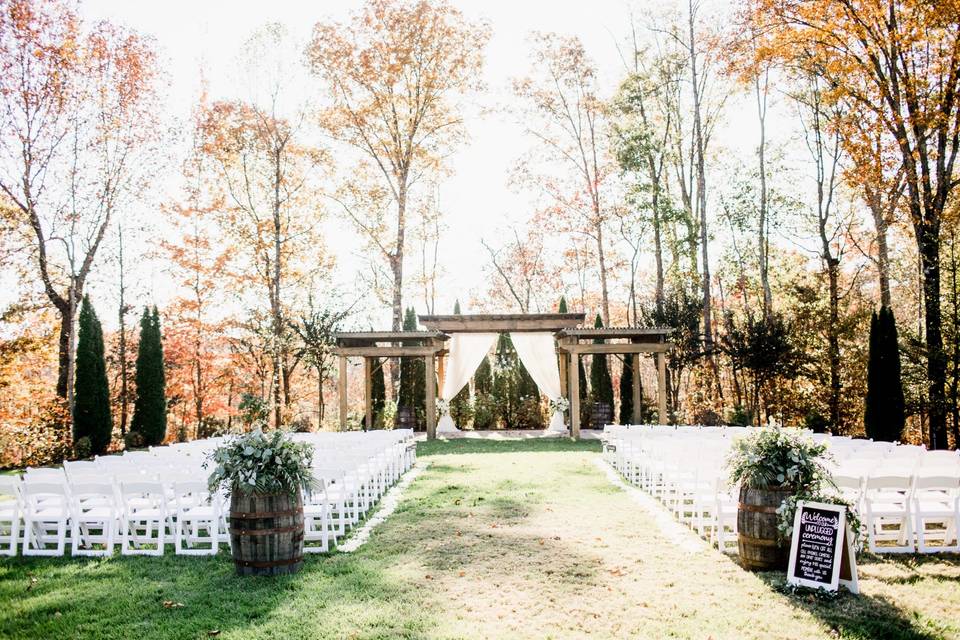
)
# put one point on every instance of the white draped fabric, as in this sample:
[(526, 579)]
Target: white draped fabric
[(466, 352), (538, 353)]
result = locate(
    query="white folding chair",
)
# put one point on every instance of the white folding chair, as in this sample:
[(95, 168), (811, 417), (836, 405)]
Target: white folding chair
[(197, 528), (887, 509), (144, 518), (45, 518), (316, 520), (936, 510), (93, 516), (11, 511)]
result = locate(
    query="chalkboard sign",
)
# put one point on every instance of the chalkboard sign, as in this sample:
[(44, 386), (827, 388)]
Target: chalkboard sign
[(821, 551)]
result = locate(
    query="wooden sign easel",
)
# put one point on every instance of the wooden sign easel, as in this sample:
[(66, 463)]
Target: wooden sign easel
[(821, 549)]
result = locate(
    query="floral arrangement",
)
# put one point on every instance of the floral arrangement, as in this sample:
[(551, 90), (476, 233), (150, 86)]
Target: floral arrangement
[(258, 462), (784, 459), (778, 459), (443, 406), (560, 404)]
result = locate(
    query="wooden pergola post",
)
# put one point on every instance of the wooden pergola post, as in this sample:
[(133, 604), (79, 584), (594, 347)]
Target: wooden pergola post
[(430, 374), (564, 387), (662, 387), (637, 416), (368, 392), (574, 395), (342, 388)]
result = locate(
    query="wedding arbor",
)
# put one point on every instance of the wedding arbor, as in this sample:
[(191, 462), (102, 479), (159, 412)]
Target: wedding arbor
[(549, 345)]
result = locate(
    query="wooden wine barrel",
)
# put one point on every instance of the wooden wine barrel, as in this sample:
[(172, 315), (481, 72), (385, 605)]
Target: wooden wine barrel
[(760, 548), (266, 533), (406, 418), (601, 416)]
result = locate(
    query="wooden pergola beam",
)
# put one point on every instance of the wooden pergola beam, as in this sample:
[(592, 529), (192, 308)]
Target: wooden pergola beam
[(618, 349), (502, 322), (389, 352)]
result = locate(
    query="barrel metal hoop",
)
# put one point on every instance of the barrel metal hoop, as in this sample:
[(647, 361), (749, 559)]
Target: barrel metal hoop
[(256, 515), (760, 542), (756, 508), (266, 564), (265, 532)]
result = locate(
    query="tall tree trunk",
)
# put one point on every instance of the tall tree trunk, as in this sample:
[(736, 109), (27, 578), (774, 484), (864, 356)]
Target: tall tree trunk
[(605, 299), (279, 384), (122, 328), (933, 323), (833, 339), (763, 240), (701, 200)]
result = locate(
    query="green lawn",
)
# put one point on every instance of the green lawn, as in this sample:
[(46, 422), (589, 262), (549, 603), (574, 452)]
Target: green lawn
[(496, 539)]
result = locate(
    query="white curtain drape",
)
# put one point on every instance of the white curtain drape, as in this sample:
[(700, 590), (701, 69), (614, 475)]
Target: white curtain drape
[(466, 352), (538, 353)]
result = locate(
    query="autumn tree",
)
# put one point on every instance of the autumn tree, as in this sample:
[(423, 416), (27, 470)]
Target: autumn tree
[(316, 329), (566, 116), (394, 73), (77, 129), (897, 60), (268, 167)]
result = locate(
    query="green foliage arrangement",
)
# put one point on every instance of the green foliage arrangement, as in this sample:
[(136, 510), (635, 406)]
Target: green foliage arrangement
[(515, 394), (884, 406), (785, 459), (150, 406), (92, 420), (264, 463), (778, 459)]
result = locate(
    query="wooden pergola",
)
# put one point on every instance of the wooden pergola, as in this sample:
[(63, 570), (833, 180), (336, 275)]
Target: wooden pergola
[(371, 345), (576, 343), (572, 343)]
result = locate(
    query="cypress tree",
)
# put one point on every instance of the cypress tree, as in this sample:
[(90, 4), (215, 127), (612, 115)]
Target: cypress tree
[(872, 412), (626, 391), (378, 392), (884, 406), (562, 307), (897, 416), (91, 414), (601, 385), (413, 390), (456, 308), (483, 378), (150, 406)]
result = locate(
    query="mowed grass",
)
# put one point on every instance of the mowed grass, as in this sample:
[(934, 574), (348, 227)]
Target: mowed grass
[(496, 539)]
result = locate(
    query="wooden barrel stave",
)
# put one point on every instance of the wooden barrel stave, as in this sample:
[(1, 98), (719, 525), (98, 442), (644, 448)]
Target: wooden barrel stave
[(757, 535), (266, 533)]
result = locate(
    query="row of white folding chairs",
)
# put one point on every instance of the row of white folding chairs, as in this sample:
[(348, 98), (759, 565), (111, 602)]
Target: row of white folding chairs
[(41, 518), (910, 499), (687, 480), (353, 479), (912, 507)]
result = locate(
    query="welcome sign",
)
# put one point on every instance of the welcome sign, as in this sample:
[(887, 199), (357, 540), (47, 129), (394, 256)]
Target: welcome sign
[(821, 550)]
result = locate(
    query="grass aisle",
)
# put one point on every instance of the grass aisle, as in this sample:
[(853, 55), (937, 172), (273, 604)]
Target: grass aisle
[(494, 540)]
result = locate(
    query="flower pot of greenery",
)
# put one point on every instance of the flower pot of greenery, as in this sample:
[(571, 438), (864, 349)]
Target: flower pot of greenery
[(264, 474), (771, 466)]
